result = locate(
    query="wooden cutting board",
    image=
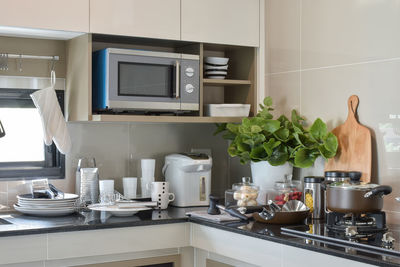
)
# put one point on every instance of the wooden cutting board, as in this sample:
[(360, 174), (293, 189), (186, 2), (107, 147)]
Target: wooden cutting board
[(354, 151)]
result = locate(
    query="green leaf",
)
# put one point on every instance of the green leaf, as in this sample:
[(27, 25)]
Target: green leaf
[(331, 143), (255, 129), (279, 156), (249, 142), (270, 145), (220, 128), (268, 101), (234, 128), (246, 122), (283, 119), (304, 158), (304, 140), (271, 125), (242, 147), (229, 136), (326, 154), (232, 151), (258, 153), (282, 134), (298, 130), (318, 130), (264, 113), (245, 158)]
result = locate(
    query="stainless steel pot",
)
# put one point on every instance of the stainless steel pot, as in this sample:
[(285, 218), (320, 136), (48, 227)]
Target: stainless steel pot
[(350, 198)]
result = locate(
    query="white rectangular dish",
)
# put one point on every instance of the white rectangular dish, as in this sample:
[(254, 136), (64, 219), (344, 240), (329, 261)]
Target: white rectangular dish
[(227, 110)]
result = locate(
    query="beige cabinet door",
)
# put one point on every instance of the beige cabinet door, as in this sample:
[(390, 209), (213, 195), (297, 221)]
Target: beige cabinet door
[(233, 22), (143, 18), (71, 15)]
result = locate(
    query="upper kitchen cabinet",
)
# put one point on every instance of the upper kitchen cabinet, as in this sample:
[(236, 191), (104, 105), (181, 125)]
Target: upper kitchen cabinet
[(234, 22), (71, 15), (141, 18)]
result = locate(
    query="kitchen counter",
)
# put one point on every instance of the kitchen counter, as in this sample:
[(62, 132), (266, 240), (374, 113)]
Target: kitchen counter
[(16, 224)]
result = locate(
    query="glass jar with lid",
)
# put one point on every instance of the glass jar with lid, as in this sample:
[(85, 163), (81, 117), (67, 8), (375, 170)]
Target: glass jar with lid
[(286, 190), (242, 194)]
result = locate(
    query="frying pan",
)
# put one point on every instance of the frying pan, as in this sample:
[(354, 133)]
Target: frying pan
[(284, 217)]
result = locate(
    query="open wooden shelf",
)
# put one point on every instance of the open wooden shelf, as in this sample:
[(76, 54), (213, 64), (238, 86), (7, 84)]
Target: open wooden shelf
[(225, 82), (174, 119)]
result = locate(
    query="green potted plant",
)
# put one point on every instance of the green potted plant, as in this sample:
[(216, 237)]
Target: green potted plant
[(274, 146)]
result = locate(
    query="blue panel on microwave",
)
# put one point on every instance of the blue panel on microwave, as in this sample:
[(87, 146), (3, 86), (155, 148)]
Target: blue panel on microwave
[(99, 79)]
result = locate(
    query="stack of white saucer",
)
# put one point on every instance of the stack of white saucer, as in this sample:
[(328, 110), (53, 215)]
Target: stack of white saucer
[(216, 67)]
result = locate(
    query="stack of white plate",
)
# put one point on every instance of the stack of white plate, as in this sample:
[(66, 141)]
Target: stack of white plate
[(45, 206), (216, 67)]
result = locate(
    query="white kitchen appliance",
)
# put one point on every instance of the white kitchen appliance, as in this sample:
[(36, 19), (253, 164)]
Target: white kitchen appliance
[(189, 177)]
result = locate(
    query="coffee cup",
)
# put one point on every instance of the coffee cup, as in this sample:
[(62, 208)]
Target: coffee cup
[(160, 194)]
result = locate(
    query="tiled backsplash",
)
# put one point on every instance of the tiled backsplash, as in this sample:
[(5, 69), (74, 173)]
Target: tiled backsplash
[(118, 148), (321, 52)]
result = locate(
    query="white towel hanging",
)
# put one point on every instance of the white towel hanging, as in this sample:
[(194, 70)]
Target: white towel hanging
[(53, 122)]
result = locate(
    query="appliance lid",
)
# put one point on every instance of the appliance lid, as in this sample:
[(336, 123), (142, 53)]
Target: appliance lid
[(188, 156)]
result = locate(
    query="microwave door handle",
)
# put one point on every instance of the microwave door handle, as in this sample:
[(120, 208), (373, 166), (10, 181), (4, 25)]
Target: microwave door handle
[(177, 79)]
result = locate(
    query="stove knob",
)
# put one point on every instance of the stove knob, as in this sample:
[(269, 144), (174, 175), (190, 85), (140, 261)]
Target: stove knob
[(388, 240), (189, 72), (189, 88)]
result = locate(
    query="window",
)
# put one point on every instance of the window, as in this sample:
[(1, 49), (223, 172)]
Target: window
[(23, 153)]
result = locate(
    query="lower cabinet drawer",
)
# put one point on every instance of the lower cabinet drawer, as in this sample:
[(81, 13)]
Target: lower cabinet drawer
[(162, 261)]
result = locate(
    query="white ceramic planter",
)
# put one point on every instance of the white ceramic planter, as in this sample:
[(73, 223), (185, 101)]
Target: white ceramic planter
[(265, 175)]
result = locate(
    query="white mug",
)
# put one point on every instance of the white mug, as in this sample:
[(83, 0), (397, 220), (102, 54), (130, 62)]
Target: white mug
[(160, 194), (130, 187)]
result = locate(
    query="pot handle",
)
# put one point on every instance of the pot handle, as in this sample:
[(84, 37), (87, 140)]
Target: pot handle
[(325, 183), (379, 190)]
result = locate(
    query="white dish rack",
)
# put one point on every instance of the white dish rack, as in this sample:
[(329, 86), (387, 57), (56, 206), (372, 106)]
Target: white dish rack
[(227, 110)]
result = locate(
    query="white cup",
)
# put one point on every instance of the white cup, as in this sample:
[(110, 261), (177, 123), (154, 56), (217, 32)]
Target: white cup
[(106, 190), (148, 167), (160, 194), (130, 187)]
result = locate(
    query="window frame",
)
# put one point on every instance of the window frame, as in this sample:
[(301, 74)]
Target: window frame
[(53, 167)]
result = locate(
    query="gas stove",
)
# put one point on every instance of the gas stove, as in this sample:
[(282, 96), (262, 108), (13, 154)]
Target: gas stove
[(367, 232), (356, 226)]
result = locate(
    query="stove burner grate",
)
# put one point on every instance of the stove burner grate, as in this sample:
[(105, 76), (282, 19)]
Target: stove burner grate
[(356, 226)]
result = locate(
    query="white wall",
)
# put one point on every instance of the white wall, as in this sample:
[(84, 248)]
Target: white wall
[(321, 52), (118, 148)]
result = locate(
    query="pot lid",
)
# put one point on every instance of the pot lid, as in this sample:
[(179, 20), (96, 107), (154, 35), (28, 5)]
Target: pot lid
[(314, 179), (348, 186), (336, 174)]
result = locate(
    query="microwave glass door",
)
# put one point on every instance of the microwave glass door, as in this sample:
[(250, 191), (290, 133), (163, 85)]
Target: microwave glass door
[(145, 79)]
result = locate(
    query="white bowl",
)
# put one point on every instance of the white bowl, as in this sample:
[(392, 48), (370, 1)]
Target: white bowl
[(216, 72), (216, 77), (211, 67), (217, 60)]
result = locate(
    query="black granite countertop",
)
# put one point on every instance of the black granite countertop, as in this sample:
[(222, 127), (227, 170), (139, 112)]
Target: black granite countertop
[(12, 224)]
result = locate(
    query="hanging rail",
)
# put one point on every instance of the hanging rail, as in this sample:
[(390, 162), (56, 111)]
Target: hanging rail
[(21, 56)]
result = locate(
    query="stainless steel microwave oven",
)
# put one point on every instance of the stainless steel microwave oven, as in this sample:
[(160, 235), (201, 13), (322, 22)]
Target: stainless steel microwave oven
[(128, 79)]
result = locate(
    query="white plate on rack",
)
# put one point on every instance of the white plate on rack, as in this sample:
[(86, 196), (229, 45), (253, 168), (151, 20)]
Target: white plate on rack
[(47, 212), (117, 210)]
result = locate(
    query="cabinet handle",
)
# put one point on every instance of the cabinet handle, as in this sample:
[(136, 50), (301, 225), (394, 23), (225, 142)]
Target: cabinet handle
[(177, 80)]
